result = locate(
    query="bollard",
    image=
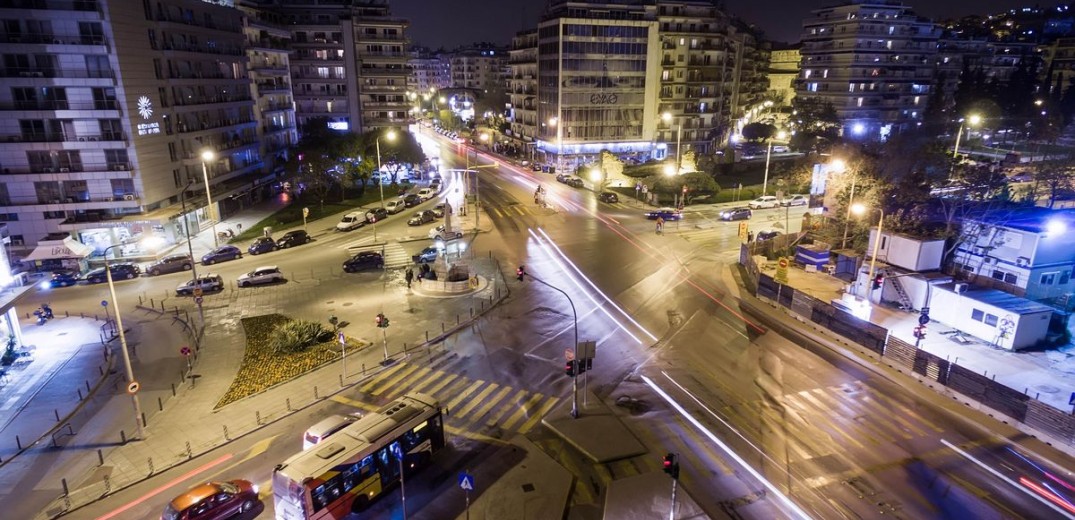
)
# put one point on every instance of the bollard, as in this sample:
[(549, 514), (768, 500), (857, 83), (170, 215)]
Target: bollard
[(226, 436), (173, 389), (63, 482), (160, 404), (363, 369), (122, 437), (315, 393), (341, 380), (108, 484), (472, 312), (427, 336), (80, 395), (189, 454), (100, 457), (404, 348), (18, 442), (442, 327), (288, 401), (456, 320), (88, 384), (66, 314), (151, 304), (139, 299), (162, 307), (257, 417), (483, 305), (57, 414), (149, 461)]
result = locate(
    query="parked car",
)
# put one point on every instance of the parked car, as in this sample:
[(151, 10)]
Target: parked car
[(394, 206), (562, 177), (768, 201), (376, 215), (261, 275), (548, 169), (427, 193), (207, 283), (262, 245), (439, 233), (411, 200), (171, 264), (767, 235), (439, 209), (363, 261), (222, 254), (352, 220), (796, 200), (739, 213), (62, 279), (574, 182), (124, 271), (426, 255), (422, 217), (292, 239), (213, 501), (665, 213), (535, 167), (609, 197), (435, 184)]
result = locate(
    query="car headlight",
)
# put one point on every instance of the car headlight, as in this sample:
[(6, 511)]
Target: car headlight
[(255, 488)]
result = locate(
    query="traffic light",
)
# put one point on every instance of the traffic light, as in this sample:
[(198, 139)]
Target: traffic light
[(877, 280), (923, 318), (571, 368), (671, 465), (520, 272)]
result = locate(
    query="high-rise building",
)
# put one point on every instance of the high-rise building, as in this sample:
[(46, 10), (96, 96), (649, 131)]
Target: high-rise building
[(522, 87), (349, 63), (598, 80), (873, 60), (479, 67), (429, 71), (110, 106)]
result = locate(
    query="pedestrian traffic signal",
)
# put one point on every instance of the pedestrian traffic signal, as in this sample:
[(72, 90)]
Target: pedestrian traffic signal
[(571, 368), (877, 281), (920, 332), (520, 272), (671, 465), (382, 321)]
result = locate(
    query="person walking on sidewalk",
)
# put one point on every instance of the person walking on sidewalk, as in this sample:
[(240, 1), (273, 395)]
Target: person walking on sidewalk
[(239, 226), (409, 275), (660, 225)]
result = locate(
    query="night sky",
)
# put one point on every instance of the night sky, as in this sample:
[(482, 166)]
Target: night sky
[(448, 23)]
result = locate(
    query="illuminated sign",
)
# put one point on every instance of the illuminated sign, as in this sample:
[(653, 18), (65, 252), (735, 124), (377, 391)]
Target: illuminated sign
[(338, 125), (145, 109), (603, 99)]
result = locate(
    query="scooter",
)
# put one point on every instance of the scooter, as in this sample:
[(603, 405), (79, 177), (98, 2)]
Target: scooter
[(44, 314), (226, 234)]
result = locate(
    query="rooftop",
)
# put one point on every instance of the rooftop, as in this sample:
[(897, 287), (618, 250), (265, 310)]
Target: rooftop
[(999, 299)]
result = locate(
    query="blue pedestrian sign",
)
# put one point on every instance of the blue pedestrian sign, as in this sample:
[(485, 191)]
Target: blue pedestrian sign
[(466, 482)]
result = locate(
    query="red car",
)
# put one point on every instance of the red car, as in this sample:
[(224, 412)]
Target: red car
[(213, 501)]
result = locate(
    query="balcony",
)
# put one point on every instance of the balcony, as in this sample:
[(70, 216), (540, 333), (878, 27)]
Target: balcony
[(60, 105), (59, 138), (13, 72), (51, 39), (273, 88), (52, 5), (272, 129)]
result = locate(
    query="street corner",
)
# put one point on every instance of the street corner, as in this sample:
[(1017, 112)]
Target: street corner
[(597, 432), (535, 487)]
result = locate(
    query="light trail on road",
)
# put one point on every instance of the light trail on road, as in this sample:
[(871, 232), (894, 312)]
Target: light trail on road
[(160, 489)]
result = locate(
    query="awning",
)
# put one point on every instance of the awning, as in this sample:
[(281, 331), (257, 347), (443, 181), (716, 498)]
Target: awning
[(57, 249)]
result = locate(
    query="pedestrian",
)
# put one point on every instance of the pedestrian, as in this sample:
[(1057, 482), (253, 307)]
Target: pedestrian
[(750, 236), (660, 225), (409, 275), (239, 226)]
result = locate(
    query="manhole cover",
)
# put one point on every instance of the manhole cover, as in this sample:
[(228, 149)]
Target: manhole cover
[(528, 488), (1048, 389)]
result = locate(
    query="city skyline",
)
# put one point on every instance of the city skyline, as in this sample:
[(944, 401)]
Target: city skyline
[(496, 21)]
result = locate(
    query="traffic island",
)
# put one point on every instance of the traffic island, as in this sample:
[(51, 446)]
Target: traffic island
[(447, 279), (597, 432)]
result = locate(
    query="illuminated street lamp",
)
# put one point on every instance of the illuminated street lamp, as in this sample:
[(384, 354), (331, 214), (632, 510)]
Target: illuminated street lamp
[(207, 156), (972, 120), (554, 121), (860, 209), (667, 117), (391, 136), (781, 135)]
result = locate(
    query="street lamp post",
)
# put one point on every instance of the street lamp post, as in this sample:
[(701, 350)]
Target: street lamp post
[(391, 136), (765, 181), (123, 346), (555, 121), (667, 117), (859, 209), (190, 249), (575, 317), (209, 155), (973, 120)]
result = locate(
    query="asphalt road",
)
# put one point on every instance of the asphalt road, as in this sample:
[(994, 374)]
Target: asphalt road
[(837, 440)]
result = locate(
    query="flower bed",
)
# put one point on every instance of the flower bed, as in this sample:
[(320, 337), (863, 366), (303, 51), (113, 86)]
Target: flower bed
[(262, 367)]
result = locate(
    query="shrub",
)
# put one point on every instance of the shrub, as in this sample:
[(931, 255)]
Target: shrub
[(295, 336)]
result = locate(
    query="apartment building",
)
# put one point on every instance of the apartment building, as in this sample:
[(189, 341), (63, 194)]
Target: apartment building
[(110, 106), (874, 61), (429, 71), (522, 86), (349, 64), (480, 67), (782, 71)]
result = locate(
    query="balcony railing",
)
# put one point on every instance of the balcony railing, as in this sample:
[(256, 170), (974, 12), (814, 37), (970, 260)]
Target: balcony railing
[(32, 137), (52, 5), (60, 105), (15, 72)]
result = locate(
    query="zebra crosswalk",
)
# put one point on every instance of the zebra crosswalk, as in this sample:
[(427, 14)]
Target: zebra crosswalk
[(472, 404), (394, 254)]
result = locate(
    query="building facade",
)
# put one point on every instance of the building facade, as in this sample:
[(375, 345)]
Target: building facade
[(109, 110), (782, 71), (480, 68), (598, 80), (381, 50), (522, 87), (429, 72), (874, 61)]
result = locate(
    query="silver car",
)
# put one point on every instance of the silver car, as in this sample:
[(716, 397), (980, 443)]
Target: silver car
[(261, 275)]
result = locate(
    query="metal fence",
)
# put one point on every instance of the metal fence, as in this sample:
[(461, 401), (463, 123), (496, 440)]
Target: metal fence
[(1019, 406)]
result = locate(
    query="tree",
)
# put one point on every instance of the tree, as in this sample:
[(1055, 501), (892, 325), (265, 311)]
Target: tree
[(758, 131), (699, 183), (813, 120), (314, 160), (688, 162)]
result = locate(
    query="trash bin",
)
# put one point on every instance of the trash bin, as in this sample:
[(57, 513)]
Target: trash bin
[(267, 231)]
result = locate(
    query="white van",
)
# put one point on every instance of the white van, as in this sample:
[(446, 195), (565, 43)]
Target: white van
[(318, 432), (767, 201), (353, 220)]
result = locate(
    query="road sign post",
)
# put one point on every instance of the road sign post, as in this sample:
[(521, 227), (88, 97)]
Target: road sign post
[(343, 355), (305, 213), (466, 483), (587, 350)]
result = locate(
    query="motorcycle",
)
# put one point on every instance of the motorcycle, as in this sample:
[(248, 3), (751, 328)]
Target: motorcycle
[(226, 234), (43, 313)]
